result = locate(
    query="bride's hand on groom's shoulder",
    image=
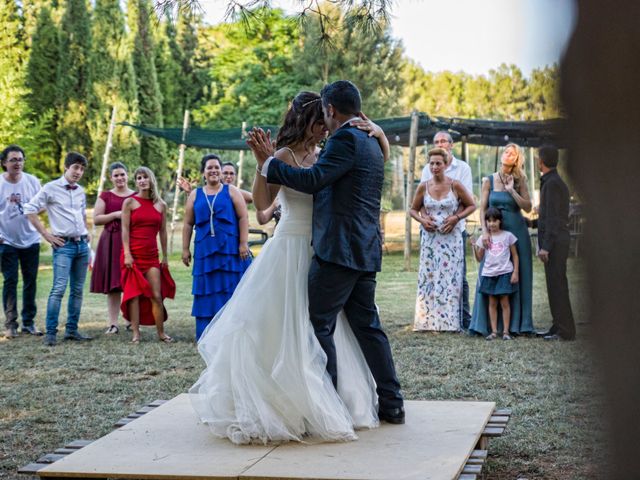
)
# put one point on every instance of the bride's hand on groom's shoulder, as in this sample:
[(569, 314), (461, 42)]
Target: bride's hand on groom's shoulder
[(367, 125)]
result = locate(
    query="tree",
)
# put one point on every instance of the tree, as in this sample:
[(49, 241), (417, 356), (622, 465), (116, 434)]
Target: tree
[(73, 79), (251, 71), (17, 124), (114, 84), (168, 62), (350, 54), (152, 150)]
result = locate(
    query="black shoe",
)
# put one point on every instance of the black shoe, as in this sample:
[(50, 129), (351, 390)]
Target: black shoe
[(32, 330), (11, 332), (49, 340), (393, 415), (77, 336)]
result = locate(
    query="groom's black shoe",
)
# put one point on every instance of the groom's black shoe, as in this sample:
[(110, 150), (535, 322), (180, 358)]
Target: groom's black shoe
[(393, 415)]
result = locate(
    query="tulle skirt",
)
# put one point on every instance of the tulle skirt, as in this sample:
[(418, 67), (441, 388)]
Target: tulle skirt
[(266, 376)]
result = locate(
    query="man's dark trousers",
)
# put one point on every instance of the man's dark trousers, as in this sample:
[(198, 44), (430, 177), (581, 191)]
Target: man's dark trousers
[(332, 288), (555, 271), (27, 259)]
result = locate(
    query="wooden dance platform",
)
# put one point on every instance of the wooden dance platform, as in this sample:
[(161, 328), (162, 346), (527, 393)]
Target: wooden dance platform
[(169, 442)]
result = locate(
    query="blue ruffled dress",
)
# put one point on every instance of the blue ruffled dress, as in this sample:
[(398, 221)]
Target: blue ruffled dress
[(217, 266)]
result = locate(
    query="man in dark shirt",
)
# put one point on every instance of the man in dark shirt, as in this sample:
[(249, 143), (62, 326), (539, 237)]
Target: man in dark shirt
[(553, 243)]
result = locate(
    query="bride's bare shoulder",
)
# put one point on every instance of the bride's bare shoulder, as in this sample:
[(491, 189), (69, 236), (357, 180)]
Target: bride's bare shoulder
[(286, 155)]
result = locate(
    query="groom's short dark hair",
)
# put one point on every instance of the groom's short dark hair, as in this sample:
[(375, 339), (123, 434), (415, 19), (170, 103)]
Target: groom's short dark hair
[(343, 95)]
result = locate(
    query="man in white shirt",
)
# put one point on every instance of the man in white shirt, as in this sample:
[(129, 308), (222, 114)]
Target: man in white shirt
[(65, 203), (456, 170), (19, 242)]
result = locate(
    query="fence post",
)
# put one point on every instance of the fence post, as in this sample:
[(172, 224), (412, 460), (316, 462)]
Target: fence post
[(413, 142), (105, 161), (174, 210)]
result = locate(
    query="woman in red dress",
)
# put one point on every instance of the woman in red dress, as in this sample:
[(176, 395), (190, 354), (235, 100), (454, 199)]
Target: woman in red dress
[(105, 277), (146, 281)]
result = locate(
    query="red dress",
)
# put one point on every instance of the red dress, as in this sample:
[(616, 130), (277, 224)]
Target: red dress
[(144, 226), (105, 276)]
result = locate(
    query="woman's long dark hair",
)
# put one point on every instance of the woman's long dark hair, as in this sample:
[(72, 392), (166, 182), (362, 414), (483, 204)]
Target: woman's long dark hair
[(305, 110)]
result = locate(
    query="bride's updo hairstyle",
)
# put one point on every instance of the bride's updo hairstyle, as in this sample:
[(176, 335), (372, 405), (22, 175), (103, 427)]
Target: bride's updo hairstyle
[(305, 110)]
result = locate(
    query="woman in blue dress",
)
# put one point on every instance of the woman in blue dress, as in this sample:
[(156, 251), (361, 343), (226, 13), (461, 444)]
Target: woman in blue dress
[(221, 250), (507, 191)]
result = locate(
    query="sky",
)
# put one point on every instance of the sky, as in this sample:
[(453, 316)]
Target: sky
[(473, 36)]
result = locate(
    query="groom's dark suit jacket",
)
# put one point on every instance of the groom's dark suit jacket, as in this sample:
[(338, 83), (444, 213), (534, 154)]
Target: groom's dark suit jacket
[(346, 182)]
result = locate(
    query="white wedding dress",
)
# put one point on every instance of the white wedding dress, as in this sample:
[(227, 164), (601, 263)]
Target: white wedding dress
[(266, 376)]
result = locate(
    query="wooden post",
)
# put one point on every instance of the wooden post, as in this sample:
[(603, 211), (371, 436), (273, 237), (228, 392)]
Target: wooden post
[(243, 134), (176, 195), (105, 161), (465, 149), (413, 142), (532, 172)]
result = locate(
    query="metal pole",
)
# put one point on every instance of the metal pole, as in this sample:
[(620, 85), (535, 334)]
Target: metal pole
[(174, 211), (243, 134), (105, 161), (413, 142)]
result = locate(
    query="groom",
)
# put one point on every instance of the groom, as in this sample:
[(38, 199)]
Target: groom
[(347, 186)]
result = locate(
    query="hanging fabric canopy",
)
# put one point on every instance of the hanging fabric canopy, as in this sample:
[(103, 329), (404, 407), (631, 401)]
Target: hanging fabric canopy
[(479, 132)]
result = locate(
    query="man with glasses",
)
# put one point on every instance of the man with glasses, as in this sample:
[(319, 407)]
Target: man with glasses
[(229, 176), (456, 170), (19, 242)]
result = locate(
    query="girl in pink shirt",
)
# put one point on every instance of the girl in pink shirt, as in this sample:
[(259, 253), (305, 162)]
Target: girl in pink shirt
[(499, 274)]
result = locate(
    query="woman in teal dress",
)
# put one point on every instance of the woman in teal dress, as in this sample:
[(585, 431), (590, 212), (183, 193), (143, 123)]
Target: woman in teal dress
[(507, 191)]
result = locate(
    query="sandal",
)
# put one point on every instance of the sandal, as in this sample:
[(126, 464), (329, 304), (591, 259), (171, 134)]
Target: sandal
[(135, 341), (491, 336), (506, 336), (112, 330), (166, 339)]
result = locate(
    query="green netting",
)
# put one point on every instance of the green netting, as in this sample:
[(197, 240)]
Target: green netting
[(479, 132)]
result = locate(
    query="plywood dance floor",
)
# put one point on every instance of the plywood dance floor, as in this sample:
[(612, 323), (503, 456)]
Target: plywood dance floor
[(171, 443)]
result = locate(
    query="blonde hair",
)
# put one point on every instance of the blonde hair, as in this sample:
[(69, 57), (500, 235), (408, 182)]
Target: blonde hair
[(153, 184), (438, 151), (518, 167)]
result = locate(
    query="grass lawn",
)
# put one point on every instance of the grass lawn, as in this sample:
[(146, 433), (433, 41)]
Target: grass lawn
[(50, 396)]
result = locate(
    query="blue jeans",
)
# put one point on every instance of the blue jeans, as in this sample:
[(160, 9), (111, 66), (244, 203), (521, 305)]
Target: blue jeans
[(27, 260), (70, 263)]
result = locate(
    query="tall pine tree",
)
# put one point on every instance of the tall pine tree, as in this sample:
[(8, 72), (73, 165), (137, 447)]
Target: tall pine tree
[(168, 61), (114, 84), (152, 150), (74, 82)]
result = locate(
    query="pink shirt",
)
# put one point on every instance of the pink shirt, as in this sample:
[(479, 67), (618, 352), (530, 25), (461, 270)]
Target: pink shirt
[(497, 258)]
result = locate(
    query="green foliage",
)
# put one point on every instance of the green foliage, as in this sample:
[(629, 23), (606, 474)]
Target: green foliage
[(168, 62), (504, 94), (370, 58), (18, 124), (153, 151), (74, 81), (114, 84), (251, 70)]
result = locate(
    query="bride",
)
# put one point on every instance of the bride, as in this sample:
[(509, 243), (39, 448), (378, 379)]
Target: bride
[(266, 376)]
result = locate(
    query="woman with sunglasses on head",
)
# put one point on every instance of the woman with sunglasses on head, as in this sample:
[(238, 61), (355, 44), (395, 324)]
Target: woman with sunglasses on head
[(146, 281)]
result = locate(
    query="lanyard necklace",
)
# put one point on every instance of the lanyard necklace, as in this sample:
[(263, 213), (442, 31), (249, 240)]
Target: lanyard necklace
[(212, 230)]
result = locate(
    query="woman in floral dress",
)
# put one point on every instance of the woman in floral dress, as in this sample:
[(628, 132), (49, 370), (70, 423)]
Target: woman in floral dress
[(446, 201)]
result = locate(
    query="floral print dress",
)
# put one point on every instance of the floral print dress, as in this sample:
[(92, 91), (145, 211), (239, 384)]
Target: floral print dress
[(439, 299)]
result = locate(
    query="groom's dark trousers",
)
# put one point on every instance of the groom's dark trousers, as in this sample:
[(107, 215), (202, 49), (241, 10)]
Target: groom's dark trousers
[(347, 186)]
